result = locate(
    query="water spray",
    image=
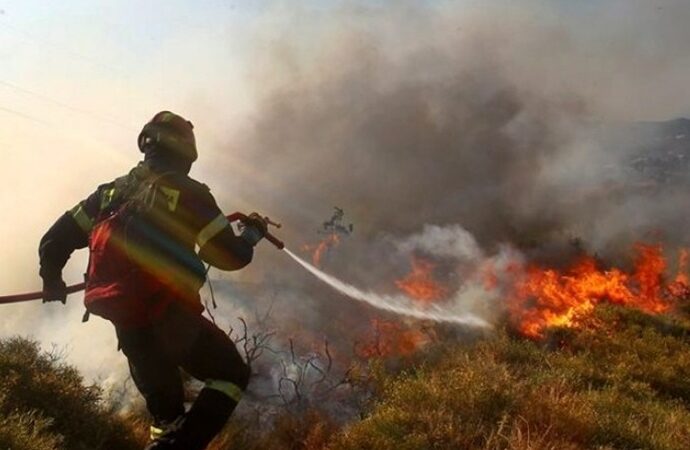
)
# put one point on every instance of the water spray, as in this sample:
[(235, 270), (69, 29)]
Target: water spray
[(397, 304)]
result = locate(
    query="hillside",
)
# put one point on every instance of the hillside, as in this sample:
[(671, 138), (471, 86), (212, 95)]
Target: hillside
[(620, 380), (45, 404)]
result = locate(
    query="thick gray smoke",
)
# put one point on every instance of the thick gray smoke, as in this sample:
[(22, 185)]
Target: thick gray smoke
[(465, 132), (488, 116), (502, 124)]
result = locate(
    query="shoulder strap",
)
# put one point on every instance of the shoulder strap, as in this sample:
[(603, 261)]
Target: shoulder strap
[(144, 195), (136, 189)]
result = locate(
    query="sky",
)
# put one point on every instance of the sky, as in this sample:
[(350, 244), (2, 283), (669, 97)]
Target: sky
[(78, 79)]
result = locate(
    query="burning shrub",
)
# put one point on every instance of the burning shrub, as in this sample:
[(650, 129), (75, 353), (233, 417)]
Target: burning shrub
[(543, 297)]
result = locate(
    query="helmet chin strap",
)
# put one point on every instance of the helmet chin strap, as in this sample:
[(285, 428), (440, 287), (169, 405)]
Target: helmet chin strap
[(164, 161)]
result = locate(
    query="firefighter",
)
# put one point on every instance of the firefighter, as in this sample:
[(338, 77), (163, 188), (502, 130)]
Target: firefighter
[(144, 276)]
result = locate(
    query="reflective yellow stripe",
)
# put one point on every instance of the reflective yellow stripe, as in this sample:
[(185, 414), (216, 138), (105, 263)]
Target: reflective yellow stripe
[(211, 230), (155, 433), (230, 389), (83, 219), (107, 197), (172, 196)]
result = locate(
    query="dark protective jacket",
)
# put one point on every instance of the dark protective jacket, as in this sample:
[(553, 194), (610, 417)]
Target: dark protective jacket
[(149, 261)]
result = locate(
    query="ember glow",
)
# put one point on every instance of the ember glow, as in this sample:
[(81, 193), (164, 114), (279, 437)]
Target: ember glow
[(389, 338), (680, 288), (420, 284), (543, 297)]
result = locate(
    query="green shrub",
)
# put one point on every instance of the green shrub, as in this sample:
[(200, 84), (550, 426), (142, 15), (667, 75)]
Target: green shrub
[(45, 404)]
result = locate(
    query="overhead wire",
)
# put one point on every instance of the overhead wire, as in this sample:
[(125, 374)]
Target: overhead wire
[(67, 52), (23, 115), (62, 104), (42, 44), (77, 56)]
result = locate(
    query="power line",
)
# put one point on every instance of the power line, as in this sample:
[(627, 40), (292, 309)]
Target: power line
[(46, 98), (67, 52), (23, 115), (42, 44)]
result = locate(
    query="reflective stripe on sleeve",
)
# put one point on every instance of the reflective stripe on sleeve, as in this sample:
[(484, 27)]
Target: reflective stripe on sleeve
[(107, 197), (155, 432), (230, 389), (82, 218), (211, 230)]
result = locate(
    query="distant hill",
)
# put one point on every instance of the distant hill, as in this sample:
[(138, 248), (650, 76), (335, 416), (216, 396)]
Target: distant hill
[(663, 150)]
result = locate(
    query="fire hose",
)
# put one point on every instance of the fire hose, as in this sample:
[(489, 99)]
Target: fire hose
[(38, 295)]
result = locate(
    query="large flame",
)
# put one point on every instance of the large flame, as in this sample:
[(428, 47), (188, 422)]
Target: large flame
[(319, 250), (420, 284), (543, 297)]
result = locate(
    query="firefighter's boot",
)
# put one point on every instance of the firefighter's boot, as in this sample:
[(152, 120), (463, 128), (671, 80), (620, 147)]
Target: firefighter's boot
[(200, 425)]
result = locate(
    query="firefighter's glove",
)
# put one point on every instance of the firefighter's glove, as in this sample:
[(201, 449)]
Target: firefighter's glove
[(255, 228), (54, 290)]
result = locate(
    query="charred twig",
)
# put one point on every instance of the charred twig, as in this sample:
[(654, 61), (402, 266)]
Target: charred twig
[(297, 396), (292, 351), (253, 346), (328, 355), (209, 312), (302, 380), (259, 344), (262, 320), (325, 372), (322, 372)]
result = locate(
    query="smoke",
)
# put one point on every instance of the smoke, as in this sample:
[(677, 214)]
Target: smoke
[(398, 305), (452, 241), (490, 116), (478, 132)]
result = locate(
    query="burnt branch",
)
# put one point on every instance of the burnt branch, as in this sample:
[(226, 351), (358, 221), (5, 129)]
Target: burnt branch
[(294, 381), (209, 312), (254, 345)]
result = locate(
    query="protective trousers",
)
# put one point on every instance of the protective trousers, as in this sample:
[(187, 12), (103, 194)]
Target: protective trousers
[(182, 339)]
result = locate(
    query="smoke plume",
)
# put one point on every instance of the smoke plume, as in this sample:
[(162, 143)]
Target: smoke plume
[(469, 132)]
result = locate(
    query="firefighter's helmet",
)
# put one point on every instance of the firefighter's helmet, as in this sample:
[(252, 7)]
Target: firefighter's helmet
[(171, 133)]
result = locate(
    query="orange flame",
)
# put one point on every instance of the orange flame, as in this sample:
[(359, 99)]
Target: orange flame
[(420, 284), (680, 287), (392, 339), (319, 250), (546, 297)]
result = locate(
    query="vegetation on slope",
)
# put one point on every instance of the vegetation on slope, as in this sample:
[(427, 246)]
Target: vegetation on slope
[(45, 405), (619, 381)]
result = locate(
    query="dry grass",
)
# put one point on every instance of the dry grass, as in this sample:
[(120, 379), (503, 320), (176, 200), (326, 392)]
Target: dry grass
[(622, 381), (44, 404)]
